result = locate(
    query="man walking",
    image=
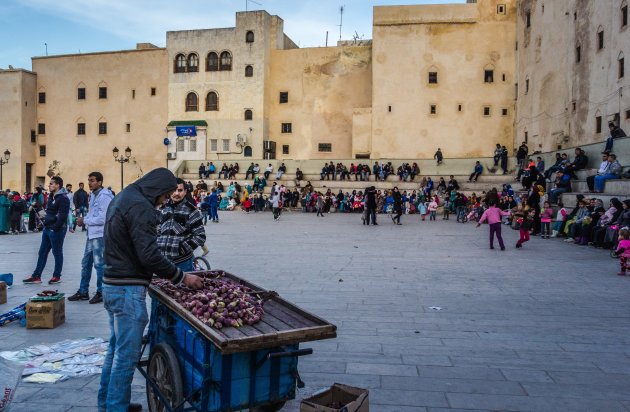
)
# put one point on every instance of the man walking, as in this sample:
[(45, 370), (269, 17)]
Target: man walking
[(181, 229), (438, 156), (213, 201), (93, 253), (370, 205), (81, 203), (132, 257), (55, 226)]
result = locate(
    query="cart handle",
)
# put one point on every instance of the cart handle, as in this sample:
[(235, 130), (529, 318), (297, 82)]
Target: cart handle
[(288, 353), (284, 354)]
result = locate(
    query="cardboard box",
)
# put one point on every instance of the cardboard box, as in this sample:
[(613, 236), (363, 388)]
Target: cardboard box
[(337, 398), (3, 293), (45, 315)]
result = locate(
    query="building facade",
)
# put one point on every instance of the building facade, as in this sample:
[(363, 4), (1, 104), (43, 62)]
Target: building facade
[(461, 77), (572, 80)]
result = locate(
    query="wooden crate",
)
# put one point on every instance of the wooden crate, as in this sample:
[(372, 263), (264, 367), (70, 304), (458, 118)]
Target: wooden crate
[(282, 323)]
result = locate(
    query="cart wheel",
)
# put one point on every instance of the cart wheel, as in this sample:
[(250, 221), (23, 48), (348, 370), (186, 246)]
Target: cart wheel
[(270, 407), (164, 370)]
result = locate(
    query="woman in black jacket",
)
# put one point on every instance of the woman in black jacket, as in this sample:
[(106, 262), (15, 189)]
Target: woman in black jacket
[(397, 206)]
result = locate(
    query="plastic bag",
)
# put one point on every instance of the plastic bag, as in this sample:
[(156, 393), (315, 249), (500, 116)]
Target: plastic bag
[(10, 373)]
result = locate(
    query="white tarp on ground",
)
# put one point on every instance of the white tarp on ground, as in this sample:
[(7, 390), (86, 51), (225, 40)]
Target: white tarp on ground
[(62, 360)]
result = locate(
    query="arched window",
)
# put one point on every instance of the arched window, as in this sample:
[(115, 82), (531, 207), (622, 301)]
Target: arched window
[(193, 62), (248, 114), (249, 71), (247, 151), (192, 102), (249, 37), (180, 63), (226, 61), (212, 102), (212, 62)]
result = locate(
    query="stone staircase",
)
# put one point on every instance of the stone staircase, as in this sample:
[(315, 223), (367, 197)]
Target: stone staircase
[(619, 188), (485, 182)]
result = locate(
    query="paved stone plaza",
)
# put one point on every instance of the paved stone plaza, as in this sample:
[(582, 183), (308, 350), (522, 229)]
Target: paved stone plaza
[(540, 328)]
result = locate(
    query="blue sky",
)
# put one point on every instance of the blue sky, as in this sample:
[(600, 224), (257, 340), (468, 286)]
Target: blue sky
[(73, 26)]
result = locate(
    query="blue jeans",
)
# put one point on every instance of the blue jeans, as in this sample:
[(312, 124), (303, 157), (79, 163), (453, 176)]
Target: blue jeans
[(186, 265), (204, 214), (601, 179), (50, 240), (128, 317), (92, 256), (214, 215), (553, 194)]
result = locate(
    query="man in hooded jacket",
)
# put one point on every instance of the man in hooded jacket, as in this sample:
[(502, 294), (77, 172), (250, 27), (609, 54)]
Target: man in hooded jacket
[(132, 257)]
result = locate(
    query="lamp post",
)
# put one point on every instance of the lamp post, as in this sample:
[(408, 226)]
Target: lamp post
[(122, 159), (4, 161)]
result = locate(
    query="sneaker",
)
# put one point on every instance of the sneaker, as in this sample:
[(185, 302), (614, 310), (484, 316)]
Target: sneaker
[(31, 280), (97, 298), (55, 279), (621, 274), (570, 240), (134, 407), (79, 296)]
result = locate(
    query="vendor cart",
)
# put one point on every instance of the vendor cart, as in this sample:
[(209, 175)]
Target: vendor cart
[(193, 367)]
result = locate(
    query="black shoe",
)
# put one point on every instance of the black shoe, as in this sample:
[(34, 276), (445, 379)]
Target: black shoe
[(98, 298), (134, 407), (79, 296)]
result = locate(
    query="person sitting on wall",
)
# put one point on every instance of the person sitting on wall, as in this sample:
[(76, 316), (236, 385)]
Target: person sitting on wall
[(299, 176), (579, 163), (477, 172), (281, 170), (497, 154), (615, 133), (250, 171)]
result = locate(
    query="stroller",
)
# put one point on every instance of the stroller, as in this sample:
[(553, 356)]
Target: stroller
[(35, 219)]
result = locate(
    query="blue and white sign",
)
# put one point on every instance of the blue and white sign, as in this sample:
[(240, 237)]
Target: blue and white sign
[(186, 130)]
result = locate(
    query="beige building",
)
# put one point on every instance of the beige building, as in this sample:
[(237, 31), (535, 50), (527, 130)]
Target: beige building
[(461, 77), (87, 104), (572, 78), (17, 127)]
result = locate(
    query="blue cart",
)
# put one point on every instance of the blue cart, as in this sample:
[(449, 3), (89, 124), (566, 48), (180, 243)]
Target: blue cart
[(192, 367)]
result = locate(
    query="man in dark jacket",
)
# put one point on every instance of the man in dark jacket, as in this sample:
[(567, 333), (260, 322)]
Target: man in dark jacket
[(55, 226), (370, 205), (132, 257), (81, 202)]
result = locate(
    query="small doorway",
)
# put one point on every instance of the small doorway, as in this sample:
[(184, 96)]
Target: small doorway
[(29, 176)]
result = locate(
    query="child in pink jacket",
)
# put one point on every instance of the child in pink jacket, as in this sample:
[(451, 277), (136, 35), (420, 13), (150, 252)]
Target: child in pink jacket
[(623, 250), (493, 215)]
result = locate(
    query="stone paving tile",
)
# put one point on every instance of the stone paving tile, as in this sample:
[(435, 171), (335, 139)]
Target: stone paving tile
[(381, 369), (452, 385), (529, 403), (407, 398), (456, 372), (500, 333)]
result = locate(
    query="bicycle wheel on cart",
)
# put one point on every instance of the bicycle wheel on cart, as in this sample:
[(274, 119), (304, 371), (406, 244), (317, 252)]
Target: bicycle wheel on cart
[(201, 263), (164, 371)]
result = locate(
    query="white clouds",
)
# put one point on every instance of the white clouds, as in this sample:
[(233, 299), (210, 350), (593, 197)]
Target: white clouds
[(139, 20)]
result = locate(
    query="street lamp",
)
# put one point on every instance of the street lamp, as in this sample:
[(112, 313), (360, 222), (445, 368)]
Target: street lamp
[(122, 159), (4, 161)]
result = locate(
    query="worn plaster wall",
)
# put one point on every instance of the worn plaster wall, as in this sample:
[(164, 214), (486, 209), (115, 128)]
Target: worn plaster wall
[(325, 85), (129, 77), (458, 42), (565, 95), (17, 113)]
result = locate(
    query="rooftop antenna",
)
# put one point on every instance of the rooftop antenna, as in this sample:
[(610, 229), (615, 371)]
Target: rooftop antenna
[(341, 20), (46, 45), (250, 1)]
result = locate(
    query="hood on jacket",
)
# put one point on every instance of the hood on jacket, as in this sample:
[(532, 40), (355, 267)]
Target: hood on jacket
[(156, 183), (61, 191)]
